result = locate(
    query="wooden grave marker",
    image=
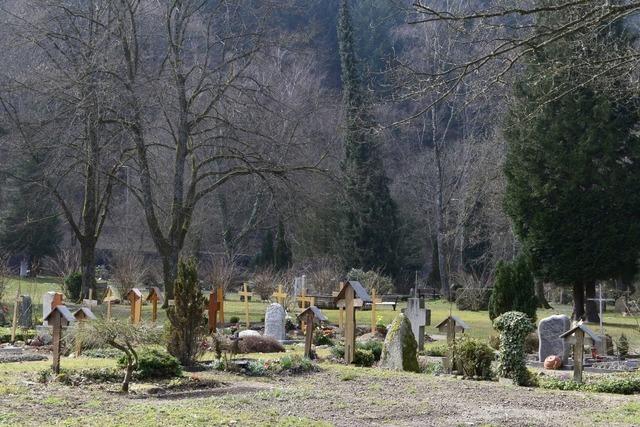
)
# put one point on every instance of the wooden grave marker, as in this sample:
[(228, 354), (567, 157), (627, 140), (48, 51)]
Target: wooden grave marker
[(156, 297), (246, 294), (340, 306), (58, 318), (82, 315), (310, 316), (135, 299), (580, 335), (305, 301), (216, 308), (353, 295), (15, 312), (280, 296), (110, 298), (451, 325)]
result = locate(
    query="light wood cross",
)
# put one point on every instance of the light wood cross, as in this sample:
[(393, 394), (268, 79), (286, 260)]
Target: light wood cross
[(374, 300), (305, 301), (280, 295), (246, 294), (216, 308)]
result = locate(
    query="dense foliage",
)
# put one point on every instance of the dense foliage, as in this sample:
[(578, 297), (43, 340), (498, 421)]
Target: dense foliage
[(472, 358), (514, 328), (513, 289)]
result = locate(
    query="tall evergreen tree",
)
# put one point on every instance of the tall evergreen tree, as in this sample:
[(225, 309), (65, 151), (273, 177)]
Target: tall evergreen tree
[(369, 224), (573, 172), (282, 255), (29, 223), (266, 256)]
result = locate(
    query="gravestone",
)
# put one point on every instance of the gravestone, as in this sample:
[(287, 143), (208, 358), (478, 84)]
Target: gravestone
[(274, 321), (25, 316), (549, 331), (400, 350), (419, 316)]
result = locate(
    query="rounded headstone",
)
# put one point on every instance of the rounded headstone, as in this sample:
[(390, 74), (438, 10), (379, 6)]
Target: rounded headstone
[(549, 331), (400, 347), (274, 322), (248, 333)]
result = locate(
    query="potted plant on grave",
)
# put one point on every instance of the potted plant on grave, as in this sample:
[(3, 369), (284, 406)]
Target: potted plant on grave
[(381, 328)]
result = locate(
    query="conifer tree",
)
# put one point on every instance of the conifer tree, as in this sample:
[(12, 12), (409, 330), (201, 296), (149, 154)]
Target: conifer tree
[(187, 324), (267, 253), (369, 223), (282, 256), (573, 171)]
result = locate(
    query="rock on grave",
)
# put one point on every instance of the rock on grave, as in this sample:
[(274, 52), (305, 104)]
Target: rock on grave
[(400, 347), (274, 322), (25, 319), (248, 333), (549, 331)]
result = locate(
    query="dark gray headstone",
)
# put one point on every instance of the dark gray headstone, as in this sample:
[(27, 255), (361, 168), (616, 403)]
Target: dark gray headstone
[(549, 331), (25, 312)]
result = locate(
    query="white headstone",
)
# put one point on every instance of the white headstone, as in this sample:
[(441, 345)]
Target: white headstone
[(248, 333), (47, 299), (274, 322), (549, 331), (419, 316)]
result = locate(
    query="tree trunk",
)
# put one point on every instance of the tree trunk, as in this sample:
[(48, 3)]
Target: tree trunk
[(592, 311), (127, 377), (578, 301), (88, 267), (542, 300), (170, 272)]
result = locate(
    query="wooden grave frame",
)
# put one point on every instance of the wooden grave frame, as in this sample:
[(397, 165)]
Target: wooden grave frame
[(135, 299), (310, 316), (156, 297), (58, 318), (450, 326), (578, 336), (353, 295)]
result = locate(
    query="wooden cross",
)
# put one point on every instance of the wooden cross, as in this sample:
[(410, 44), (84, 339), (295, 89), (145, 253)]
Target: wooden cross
[(82, 315), (600, 300), (374, 300), (155, 296), (280, 295), (246, 294), (135, 298), (577, 336), (347, 297), (109, 299), (215, 307), (451, 324), (340, 306), (58, 318), (305, 301), (309, 317), (15, 313)]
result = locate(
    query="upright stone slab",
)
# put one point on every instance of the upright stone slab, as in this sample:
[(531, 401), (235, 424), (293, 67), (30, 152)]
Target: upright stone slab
[(549, 331), (25, 314), (400, 348), (419, 316), (47, 300), (274, 322)]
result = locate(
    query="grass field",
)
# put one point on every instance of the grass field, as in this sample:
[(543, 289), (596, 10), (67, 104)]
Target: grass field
[(479, 322)]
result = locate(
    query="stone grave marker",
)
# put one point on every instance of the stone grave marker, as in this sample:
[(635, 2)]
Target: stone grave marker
[(90, 302), (155, 296), (549, 331), (274, 322), (59, 318), (246, 295), (310, 317), (419, 316), (580, 335), (135, 299), (400, 351), (25, 315), (352, 296)]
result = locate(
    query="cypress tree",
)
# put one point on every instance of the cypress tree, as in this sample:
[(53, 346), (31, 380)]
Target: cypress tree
[(266, 256), (513, 289), (573, 171), (282, 256), (369, 226)]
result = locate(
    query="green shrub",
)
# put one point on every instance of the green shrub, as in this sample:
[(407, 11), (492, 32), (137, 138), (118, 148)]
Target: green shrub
[(72, 287), (234, 319), (154, 363), (337, 351), (374, 346), (294, 364), (513, 289), (620, 384), (432, 368), (319, 338), (473, 358), (494, 342), (363, 357), (437, 350), (256, 368), (623, 346), (514, 327), (102, 353)]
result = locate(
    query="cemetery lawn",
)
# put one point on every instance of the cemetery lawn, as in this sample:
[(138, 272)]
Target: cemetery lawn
[(336, 395)]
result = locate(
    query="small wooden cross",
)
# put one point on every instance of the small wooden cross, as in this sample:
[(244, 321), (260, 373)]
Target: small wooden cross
[(155, 296), (305, 301), (351, 296), (280, 295), (374, 300), (579, 335), (82, 315), (135, 298), (215, 307), (340, 306), (450, 325), (309, 317), (246, 294), (58, 318), (109, 298)]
